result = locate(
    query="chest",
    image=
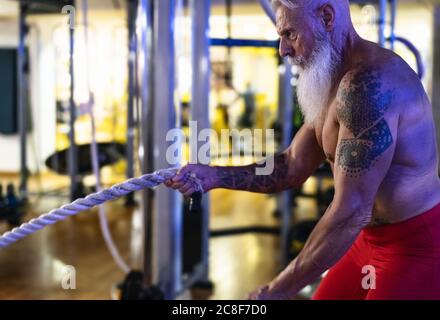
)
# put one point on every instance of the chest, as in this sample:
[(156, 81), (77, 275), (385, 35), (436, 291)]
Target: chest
[(326, 131)]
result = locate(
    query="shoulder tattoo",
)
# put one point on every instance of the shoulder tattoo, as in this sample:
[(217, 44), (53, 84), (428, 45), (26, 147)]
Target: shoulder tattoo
[(361, 105)]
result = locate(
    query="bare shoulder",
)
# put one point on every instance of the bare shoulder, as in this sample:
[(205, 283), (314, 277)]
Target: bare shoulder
[(384, 75), (363, 97)]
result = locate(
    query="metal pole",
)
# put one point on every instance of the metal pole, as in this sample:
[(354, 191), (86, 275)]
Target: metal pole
[(167, 213), (146, 127), (265, 4), (200, 11), (381, 22), (73, 153), (23, 94), (132, 42), (393, 11)]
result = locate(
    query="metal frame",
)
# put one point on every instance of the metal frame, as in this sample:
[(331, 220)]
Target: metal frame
[(228, 42), (200, 11), (267, 7), (146, 133), (167, 213), (132, 44), (73, 150), (392, 39), (22, 98), (162, 208), (393, 12), (381, 22)]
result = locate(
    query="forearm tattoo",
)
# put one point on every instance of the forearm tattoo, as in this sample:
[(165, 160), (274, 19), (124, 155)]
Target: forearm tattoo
[(361, 106), (245, 178)]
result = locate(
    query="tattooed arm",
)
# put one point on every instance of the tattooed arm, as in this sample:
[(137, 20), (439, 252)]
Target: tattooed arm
[(290, 169), (366, 143)]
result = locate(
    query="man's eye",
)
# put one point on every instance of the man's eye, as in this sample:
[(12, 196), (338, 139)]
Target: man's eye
[(291, 35)]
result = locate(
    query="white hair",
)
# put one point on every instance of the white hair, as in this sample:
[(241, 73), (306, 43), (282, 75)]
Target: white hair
[(290, 4)]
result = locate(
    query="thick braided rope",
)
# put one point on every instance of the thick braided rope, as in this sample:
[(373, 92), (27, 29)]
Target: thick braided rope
[(146, 181)]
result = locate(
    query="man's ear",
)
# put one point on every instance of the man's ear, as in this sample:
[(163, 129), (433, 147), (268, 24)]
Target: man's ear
[(327, 15)]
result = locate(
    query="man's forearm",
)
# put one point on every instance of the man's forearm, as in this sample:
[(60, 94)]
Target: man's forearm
[(246, 178), (329, 241)]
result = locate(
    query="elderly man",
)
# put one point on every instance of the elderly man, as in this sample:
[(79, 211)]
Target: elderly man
[(367, 113)]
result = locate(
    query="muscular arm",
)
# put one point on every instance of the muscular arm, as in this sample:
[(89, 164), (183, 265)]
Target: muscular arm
[(366, 144), (291, 167)]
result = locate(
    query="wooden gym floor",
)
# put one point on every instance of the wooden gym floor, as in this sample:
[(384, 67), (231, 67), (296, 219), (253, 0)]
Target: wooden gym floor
[(33, 267)]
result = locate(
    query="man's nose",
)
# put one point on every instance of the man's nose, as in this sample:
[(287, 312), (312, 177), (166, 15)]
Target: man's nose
[(285, 49)]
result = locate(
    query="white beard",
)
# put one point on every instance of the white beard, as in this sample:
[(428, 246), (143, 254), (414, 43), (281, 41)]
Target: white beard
[(315, 80)]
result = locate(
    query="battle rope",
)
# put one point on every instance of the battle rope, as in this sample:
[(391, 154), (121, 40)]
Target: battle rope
[(116, 191)]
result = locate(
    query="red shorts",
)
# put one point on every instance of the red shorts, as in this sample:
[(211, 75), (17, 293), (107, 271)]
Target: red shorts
[(397, 261)]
